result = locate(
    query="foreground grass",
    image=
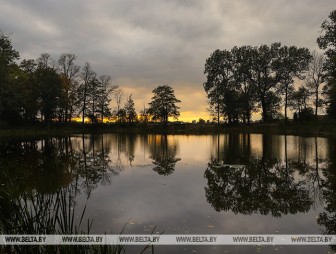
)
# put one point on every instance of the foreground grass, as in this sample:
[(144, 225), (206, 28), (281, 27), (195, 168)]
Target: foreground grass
[(55, 213)]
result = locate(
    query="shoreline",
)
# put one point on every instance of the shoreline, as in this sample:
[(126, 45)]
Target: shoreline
[(322, 129)]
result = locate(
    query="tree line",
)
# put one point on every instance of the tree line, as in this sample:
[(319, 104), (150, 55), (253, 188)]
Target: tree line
[(250, 79), (60, 91), (239, 82)]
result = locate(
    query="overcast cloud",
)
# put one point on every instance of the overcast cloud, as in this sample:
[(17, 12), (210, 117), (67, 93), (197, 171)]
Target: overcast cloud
[(144, 43)]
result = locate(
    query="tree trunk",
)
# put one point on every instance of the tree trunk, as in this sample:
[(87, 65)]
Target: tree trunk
[(70, 113), (316, 103), (102, 110), (66, 112), (248, 116), (286, 102), (84, 106), (264, 110), (218, 114)]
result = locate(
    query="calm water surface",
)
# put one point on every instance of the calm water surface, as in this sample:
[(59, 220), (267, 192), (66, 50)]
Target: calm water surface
[(213, 184)]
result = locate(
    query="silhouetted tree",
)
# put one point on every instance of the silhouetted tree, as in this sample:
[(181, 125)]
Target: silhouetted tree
[(8, 100), (45, 61), (121, 115), (327, 41), (68, 71), (144, 116), (87, 76), (163, 104), (28, 90), (315, 77), (105, 91), (247, 91), (49, 85), (273, 105), (239, 79), (298, 100), (263, 75), (218, 71), (118, 96), (93, 98), (291, 63), (131, 114)]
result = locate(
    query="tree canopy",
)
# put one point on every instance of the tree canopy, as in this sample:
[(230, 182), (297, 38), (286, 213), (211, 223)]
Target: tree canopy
[(246, 78), (163, 104), (327, 41)]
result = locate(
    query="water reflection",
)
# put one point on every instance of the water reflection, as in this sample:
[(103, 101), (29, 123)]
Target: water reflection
[(46, 184), (272, 178), (40, 180), (328, 217), (163, 152), (263, 186)]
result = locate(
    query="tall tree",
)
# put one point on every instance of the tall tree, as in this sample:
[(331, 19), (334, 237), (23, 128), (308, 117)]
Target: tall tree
[(93, 98), (218, 71), (327, 41), (118, 96), (298, 99), (45, 61), (68, 71), (163, 104), (49, 85), (8, 100), (144, 117), (247, 91), (292, 61), (131, 114), (315, 77), (28, 89), (105, 92), (87, 76), (262, 74)]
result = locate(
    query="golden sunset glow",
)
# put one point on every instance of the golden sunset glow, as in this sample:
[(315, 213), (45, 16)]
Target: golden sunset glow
[(189, 116)]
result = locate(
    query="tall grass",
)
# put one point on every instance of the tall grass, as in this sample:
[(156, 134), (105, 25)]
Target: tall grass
[(55, 213)]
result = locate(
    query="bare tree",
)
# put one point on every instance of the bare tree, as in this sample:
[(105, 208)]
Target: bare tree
[(45, 61), (315, 77), (106, 90), (87, 75), (118, 96), (68, 71)]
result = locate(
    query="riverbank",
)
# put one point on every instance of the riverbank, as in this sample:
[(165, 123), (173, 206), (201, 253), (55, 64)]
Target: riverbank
[(316, 128)]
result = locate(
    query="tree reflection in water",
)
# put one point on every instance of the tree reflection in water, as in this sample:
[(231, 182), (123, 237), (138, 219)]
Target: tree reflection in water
[(328, 217), (261, 186), (40, 180), (163, 152), (269, 184)]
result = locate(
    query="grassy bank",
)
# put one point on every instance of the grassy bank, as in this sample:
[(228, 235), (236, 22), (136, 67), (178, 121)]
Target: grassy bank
[(315, 128)]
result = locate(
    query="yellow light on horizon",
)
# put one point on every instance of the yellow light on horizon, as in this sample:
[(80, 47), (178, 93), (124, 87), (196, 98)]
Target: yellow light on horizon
[(186, 116)]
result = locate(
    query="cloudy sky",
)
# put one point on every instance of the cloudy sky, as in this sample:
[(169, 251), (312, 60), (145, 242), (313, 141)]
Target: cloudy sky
[(145, 43)]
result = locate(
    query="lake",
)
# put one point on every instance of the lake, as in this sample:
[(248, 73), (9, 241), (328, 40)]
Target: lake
[(171, 184)]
